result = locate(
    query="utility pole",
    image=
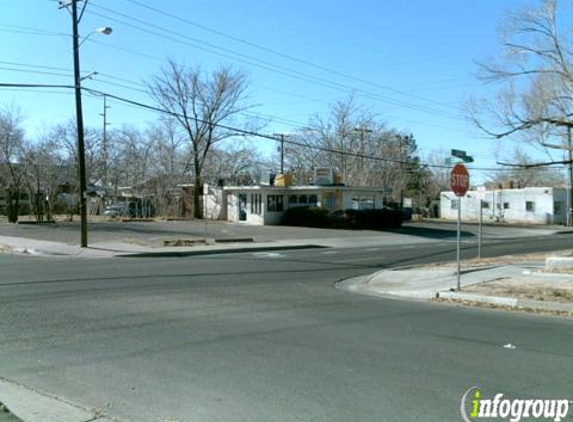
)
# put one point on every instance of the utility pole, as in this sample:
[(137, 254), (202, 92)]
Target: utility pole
[(569, 148), (282, 153), (342, 157), (282, 149), (80, 126), (73, 5), (105, 150), (362, 130)]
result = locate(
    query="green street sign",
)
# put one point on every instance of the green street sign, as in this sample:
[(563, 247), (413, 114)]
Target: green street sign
[(450, 161), (458, 153), (468, 159)]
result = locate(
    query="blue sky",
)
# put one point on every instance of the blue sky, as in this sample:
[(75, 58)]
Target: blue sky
[(410, 62)]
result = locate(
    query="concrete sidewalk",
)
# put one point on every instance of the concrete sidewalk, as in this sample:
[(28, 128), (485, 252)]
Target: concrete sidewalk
[(440, 283), (130, 248), (29, 405), (111, 249)]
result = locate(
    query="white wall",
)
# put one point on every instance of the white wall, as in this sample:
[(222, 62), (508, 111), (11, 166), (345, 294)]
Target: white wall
[(510, 205), (214, 207)]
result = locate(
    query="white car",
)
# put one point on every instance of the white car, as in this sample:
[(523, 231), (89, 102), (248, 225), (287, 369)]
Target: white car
[(116, 211)]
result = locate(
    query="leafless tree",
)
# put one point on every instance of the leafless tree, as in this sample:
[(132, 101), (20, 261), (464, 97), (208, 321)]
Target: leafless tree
[(520, 175), (12, 146), (534, 71), (205, 105), (356, 144), (45, 172), (236, 164)]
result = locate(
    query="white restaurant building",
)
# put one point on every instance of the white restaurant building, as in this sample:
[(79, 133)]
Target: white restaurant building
[(266, 205)]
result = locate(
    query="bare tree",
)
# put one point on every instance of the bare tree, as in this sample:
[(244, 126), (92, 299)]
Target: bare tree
[(521, 175), (12, 146), (202, 104), (535, 72), (236, 164), (356, 144)]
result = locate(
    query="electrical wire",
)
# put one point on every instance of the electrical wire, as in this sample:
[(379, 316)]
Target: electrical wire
[(250, 133), (287, 56), (245, 59)]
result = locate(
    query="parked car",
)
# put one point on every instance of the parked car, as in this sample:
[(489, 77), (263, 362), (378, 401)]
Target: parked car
[(116, 211)]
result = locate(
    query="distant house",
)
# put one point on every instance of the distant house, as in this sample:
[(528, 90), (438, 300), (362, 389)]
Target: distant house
[(266, 205), (528, 205)]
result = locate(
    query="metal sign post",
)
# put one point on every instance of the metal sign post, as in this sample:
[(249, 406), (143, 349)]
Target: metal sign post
[(459, 244), (459, 182), (480, 227)]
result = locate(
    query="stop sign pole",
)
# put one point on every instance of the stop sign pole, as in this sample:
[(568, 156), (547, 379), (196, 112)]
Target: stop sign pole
[(459, 182)]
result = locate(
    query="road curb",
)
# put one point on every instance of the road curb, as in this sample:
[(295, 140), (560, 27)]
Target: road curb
[(559, 262), (511, 302), (175, 254), (30, 405), (494, 300)]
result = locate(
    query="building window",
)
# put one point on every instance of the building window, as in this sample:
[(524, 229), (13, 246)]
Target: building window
[(330, 200), (529, 206), (367, 202), (256, 203), (454, 203), (312, 200), (360, 202), (275, 203), (292, 200), (303, 200), (558, 207), (485, 204), (506, 205)]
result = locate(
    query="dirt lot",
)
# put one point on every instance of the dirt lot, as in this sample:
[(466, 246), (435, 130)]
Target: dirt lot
[(539, 284), (527, 288)]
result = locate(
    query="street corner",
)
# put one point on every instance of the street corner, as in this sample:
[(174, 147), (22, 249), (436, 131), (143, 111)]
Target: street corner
[(531, 292), (19, 403), (6, 415), (407, 284)]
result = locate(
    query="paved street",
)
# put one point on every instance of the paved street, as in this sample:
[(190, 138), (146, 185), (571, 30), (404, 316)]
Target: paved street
[(266, 337)]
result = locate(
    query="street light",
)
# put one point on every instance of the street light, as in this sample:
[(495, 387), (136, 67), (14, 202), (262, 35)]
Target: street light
[(79, 114), (105, 30)]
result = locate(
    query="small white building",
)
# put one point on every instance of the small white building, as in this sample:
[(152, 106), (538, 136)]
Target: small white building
[(266, 205), (528, 205)]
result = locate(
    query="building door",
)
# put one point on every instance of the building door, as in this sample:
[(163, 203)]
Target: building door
[(242, 207)]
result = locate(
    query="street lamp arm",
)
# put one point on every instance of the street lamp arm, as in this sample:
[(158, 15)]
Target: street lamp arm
[(105, 30)]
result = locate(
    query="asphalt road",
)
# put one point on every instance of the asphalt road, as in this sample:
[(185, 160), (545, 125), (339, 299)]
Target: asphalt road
[(267, 337)]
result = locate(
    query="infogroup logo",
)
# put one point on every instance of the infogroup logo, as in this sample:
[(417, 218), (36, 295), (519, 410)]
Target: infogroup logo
[(474, 407)]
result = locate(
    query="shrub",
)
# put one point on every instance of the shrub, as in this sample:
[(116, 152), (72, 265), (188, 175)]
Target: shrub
[(385, 218), (307, 217)]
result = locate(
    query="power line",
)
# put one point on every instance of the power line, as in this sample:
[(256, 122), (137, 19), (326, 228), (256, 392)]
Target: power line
[(30, 31), (8, 85), (287, 56), (99, 75), (242, 132), (228, 53), (294, 74), (35, 72), (245, 133)]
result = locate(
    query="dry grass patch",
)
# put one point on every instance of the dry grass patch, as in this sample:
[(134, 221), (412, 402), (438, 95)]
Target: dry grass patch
[(526, 288)]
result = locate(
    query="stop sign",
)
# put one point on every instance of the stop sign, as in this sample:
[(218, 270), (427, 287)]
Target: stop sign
[(459, 180)]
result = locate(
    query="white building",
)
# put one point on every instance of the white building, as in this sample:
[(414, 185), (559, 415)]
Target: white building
[(528, 205), (266, 205)]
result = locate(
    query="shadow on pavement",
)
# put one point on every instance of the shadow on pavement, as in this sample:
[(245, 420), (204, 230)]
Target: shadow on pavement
[(431, 233)]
